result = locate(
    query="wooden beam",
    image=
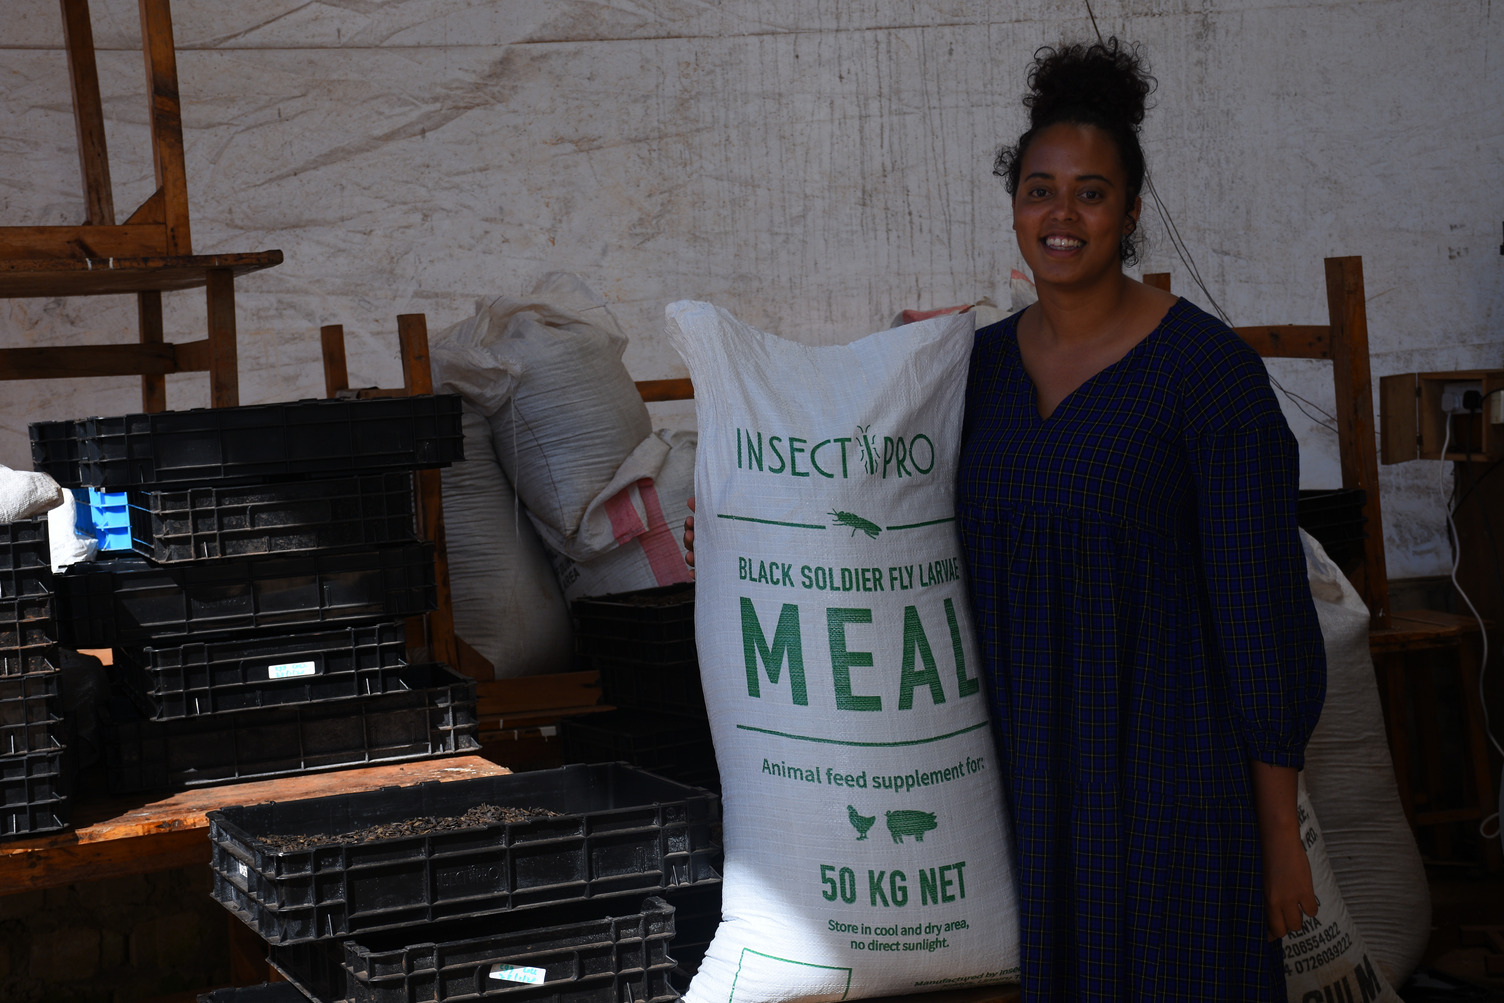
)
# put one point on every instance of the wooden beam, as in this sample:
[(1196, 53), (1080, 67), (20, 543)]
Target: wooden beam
[(69, 361), (224, 362), (1357, 446), (336, 373), (88, 115), (150, 211), (1289, 341), (128, 240), (149, 327), (76, 276), (666, 390), (166, 118), (1399, 425), (193, 356), (417, 378)]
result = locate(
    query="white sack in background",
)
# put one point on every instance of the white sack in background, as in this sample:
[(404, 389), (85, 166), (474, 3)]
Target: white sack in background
[(507, 604), (868, 850), (642, 511), (1327, 959), (546, 371), (66, 543), (24, 493), (1351, 780)]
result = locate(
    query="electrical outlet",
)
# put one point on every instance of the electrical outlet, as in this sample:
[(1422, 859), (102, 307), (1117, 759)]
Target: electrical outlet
[(1452, 394)]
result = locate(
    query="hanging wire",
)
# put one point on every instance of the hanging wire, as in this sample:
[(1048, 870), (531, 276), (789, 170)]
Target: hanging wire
[(1322, 417)]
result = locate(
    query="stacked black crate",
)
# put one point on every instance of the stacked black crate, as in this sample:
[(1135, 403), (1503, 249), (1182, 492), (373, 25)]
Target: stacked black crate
[(643, 645), (35, 780), (258, 620), (541, 887)]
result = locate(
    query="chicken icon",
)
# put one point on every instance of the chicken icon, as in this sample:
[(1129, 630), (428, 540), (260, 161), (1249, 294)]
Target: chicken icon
[(861, 823)]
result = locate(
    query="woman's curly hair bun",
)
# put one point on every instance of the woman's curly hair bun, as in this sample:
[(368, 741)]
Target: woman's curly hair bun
[(1105, 81), (1104, 84)]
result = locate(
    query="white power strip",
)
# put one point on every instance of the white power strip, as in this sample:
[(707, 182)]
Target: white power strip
[(1453, 393)]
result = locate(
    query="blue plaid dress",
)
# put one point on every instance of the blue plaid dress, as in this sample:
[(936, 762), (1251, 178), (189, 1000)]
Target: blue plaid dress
[(1144, 614)]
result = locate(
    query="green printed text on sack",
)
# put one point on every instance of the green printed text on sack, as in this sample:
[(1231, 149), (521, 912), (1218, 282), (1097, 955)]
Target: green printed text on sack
[(836, 457), (917, 668), (824, 578)]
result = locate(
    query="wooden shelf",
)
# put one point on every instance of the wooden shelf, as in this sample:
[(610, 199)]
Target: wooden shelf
[(1414, 427), (102, 276), (114, 836)]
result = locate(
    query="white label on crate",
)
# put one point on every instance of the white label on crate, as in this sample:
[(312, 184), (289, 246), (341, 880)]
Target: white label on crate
[(517, 973), (291, 670)]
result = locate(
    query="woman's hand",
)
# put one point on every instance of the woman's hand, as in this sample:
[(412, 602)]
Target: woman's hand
[(1289, 890), (689, 538)]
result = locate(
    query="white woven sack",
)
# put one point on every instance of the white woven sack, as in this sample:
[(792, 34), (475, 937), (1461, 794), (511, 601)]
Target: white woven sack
[(546, 371), (1350, 777), (1327, 958), (506, 601), (867, 846), (645, 515)]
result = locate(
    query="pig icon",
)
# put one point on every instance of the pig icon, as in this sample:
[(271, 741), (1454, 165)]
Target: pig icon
[(909, 823)]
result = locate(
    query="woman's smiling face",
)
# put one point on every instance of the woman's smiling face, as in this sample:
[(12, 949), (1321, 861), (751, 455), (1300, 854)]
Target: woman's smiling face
[(1071, 211)]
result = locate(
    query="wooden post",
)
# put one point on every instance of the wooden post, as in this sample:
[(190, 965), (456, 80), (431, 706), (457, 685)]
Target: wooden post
[(166, 117), (149, 327), (336, 371), (417, 377), (88, 115), (1358, 448), (224, 376)]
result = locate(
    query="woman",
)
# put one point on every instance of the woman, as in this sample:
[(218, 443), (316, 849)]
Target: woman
[(1127, 506)]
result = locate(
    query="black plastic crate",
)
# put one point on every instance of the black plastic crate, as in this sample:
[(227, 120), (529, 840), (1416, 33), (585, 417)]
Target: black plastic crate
[(34, 794), (664, 615), (643, 645), (666, 687), (677, 748), (619, 831), (226, 445), (266, 992), (434, 715), (26, 623), (201, 523), (54, 450), (30, 658), (615, 958), (128, 601), (25, 558), (215, 677), (29, 719), (697, 916)]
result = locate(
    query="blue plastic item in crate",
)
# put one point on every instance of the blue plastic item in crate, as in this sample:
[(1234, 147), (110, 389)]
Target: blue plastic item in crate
[(104, 515)]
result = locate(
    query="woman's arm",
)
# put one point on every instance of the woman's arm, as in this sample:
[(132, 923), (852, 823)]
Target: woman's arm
[(1288, 888)]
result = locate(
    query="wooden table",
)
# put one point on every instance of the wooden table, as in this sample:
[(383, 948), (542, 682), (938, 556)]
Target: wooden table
[(118, 836)]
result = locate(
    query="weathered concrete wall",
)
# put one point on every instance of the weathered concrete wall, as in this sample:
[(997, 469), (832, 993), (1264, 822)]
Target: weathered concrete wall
[(814, 167)]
